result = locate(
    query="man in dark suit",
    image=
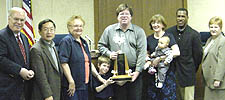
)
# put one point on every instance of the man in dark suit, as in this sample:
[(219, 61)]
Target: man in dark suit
[(14, 58), (46, 64), (191, 52)]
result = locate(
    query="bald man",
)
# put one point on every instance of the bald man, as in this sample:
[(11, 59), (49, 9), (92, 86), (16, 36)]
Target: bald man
[(14, 58)]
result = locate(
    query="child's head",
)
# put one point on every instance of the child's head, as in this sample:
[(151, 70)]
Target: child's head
[(103, 64), (164, 42)]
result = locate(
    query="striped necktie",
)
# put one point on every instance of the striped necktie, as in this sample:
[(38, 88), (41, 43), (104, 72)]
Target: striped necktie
[(21, 48)]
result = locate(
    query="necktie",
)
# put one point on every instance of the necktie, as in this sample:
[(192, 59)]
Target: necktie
[(21, 48)]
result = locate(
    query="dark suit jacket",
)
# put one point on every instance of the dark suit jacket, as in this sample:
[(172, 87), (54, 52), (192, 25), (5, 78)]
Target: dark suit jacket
[(213, 65), (188, 62), (47, 80), (11, 62)]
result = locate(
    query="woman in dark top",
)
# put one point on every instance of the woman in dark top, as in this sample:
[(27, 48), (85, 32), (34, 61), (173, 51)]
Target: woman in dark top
[(76, 62), (168, 91)]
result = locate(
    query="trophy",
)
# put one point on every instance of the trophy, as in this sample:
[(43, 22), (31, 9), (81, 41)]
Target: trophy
[(121, 71)]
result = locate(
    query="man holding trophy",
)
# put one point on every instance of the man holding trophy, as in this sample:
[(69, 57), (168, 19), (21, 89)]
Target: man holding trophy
[(125, 44)]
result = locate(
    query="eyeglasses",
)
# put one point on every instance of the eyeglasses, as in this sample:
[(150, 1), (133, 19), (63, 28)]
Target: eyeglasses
[(48, 29), (18, 19), (72, 26)]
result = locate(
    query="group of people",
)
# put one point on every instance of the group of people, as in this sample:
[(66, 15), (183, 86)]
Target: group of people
[(163, 65)]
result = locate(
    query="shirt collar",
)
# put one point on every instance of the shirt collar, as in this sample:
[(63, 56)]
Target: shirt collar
[(129, 28), (17, 34), (82, 40), (49, 44)]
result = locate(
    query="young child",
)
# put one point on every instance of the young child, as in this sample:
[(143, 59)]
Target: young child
[(104, 90), (164, 54)]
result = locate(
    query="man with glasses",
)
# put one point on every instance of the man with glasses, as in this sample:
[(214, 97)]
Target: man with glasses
[(45, 63), (130, 39)]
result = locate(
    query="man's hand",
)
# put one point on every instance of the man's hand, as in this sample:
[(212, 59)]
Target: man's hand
[(134, 75), (26, 74), (49, 98), (71, 89), (216, 84), (113, 55)]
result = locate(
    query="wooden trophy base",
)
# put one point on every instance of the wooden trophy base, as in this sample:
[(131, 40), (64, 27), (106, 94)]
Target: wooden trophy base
[(121, 78)]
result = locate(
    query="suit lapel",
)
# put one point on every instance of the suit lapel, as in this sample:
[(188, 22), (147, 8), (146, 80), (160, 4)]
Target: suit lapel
[(59, 65), (48, 54), (216, 41), (13, 40)]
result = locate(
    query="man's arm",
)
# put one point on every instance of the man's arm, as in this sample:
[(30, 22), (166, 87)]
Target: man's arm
[(40, 76), (141, 50), (141, 53), (103, 44), (6, 65)]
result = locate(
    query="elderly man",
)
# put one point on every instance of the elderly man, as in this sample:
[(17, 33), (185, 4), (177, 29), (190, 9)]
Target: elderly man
[(14, 58)]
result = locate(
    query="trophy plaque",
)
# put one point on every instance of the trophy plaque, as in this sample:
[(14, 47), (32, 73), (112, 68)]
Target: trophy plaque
[(121, 71)]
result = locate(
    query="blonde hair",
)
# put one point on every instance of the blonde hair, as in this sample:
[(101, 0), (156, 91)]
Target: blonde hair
[(165, 38), (72, 18), (216, 20)]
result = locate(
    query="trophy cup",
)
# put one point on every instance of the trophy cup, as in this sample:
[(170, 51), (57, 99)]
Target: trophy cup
[(121, 71)]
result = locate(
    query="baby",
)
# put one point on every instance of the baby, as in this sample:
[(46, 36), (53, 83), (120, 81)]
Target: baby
[(164, 54)]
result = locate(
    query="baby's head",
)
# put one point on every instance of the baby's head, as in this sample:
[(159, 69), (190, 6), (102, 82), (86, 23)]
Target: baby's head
[(164, 42), (103, 64)]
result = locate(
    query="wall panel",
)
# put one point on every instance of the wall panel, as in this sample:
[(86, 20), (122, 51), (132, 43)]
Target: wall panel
[(105, 11)]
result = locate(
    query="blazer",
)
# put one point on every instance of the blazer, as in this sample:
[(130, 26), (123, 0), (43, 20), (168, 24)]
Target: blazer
[(47, 79), (213, 65), (11, 62), (190, 58)]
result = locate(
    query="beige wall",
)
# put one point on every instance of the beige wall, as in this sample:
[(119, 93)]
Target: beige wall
[(202, 10), (3, 16), (59, 11)]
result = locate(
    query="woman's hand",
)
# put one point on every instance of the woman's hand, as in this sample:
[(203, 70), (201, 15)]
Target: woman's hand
[(71, 89), (156, 61)]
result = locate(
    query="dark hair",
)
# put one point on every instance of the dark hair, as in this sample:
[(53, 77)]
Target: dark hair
[(123, 7), (45, 21), (182, 9)]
